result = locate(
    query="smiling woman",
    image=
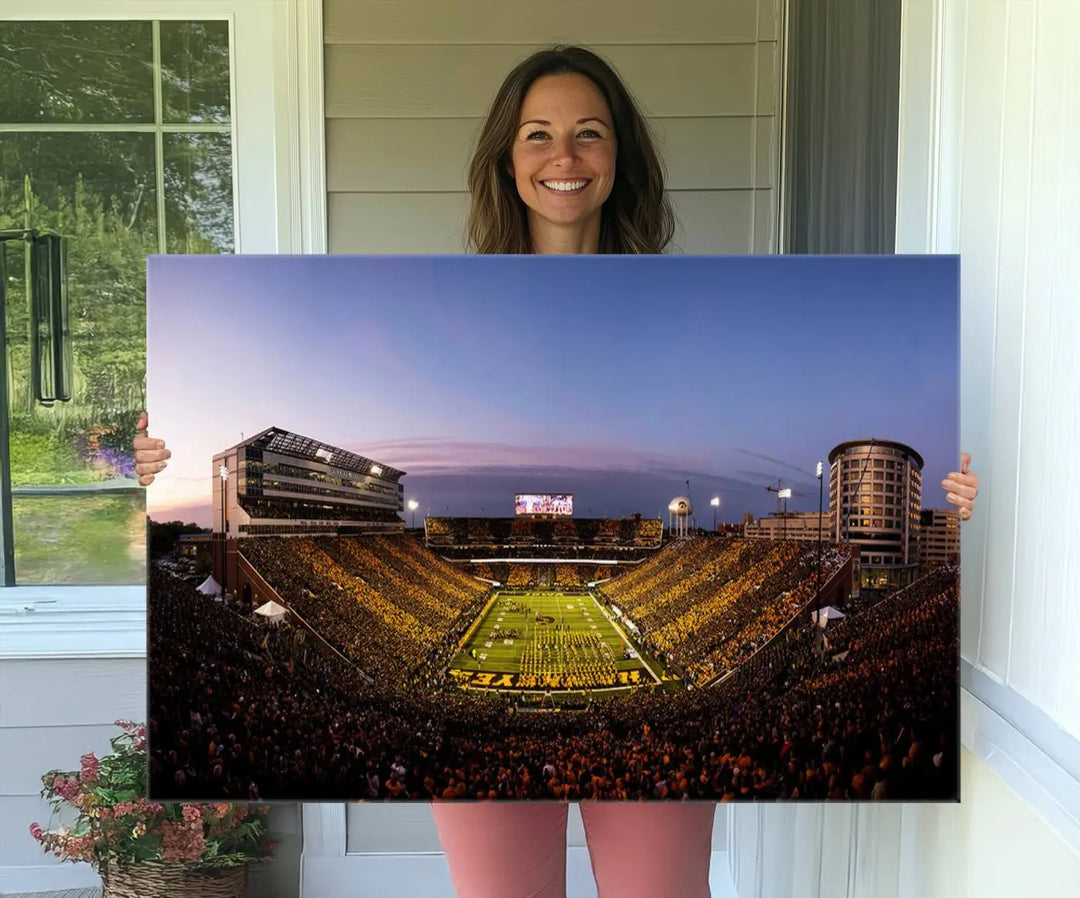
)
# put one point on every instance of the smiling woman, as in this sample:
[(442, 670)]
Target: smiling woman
[(566, 163), (563, 161)]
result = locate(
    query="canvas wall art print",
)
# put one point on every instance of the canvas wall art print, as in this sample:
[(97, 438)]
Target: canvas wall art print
[(553, 528)]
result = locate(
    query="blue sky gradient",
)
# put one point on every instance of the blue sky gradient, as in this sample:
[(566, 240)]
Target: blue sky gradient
[(615, 378)]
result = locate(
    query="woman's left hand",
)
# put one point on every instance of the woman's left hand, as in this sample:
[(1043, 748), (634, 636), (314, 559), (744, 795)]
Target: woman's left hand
[(962, 487)]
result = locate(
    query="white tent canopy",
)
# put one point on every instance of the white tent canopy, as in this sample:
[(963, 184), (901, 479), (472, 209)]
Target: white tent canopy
[(209, 587), (273, 612), (826, 614)]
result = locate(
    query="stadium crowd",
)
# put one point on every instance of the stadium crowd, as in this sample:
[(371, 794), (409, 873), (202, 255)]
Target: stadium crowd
[(244, 711), (522, 575), (567, 575), (580, 533), (358, 599), (708, 604)]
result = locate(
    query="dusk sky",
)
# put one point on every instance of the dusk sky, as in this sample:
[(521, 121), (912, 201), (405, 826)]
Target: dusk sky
[(613, 378)]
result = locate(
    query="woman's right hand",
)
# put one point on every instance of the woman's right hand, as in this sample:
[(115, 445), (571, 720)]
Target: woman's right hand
[(151, 456), (961, 487)]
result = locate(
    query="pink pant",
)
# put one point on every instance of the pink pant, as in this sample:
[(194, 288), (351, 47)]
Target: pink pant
[(518, 849)]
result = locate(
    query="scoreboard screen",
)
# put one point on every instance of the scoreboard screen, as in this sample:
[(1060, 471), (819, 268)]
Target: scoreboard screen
[(543, 503)]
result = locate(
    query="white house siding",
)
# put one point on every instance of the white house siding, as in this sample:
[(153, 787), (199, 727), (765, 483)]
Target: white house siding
[(52, 711), (407, 85)]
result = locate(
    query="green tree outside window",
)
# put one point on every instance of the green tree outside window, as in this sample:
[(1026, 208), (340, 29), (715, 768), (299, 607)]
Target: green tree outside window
[(118, 136)]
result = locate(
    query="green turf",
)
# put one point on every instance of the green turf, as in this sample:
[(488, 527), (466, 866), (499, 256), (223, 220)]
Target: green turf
[(498, 661)]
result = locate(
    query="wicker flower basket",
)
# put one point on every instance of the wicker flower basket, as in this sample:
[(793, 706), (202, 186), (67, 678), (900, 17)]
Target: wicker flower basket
[(153, 879)]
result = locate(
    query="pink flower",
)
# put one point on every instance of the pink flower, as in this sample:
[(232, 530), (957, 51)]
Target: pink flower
[(79, 848), (89, 768), (35, 831), (123, 808), (220, 810), (180, 842), (65, 788), (150, 808), (192, 813)]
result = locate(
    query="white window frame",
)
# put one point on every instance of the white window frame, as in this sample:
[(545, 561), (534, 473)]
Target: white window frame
[(279, 207)]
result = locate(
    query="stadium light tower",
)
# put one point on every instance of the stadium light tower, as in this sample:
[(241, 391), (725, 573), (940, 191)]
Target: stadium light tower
[(715, 503), (223, 473), (784, 494), (413, 505), (821, 485)]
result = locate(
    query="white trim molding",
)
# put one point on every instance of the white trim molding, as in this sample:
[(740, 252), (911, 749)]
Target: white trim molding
[(304, 52), (56, 622), (324, 830), (1034, 757), (921, 35)]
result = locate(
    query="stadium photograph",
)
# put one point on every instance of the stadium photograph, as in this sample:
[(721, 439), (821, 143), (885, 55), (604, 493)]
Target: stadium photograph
[(553, 528)]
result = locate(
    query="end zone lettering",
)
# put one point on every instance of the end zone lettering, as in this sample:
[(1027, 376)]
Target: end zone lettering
[(498, 680)]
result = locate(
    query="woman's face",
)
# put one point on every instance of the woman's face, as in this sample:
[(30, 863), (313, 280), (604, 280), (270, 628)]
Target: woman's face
[(563, 155)]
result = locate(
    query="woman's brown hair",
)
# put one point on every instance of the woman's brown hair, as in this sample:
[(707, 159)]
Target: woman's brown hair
[(637, 216)]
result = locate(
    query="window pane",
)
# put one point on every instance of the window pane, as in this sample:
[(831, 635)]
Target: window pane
[(198, 193), (98, 190), (76, 72), (81, 539), (195, 71), (83, 181), (104, 203)]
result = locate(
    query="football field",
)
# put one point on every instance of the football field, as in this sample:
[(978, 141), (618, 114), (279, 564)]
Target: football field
[(547, 640)]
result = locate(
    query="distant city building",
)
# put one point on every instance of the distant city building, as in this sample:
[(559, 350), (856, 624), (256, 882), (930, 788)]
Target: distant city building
[(796, 525), (875, 501), (189, 544), (939, 536)]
